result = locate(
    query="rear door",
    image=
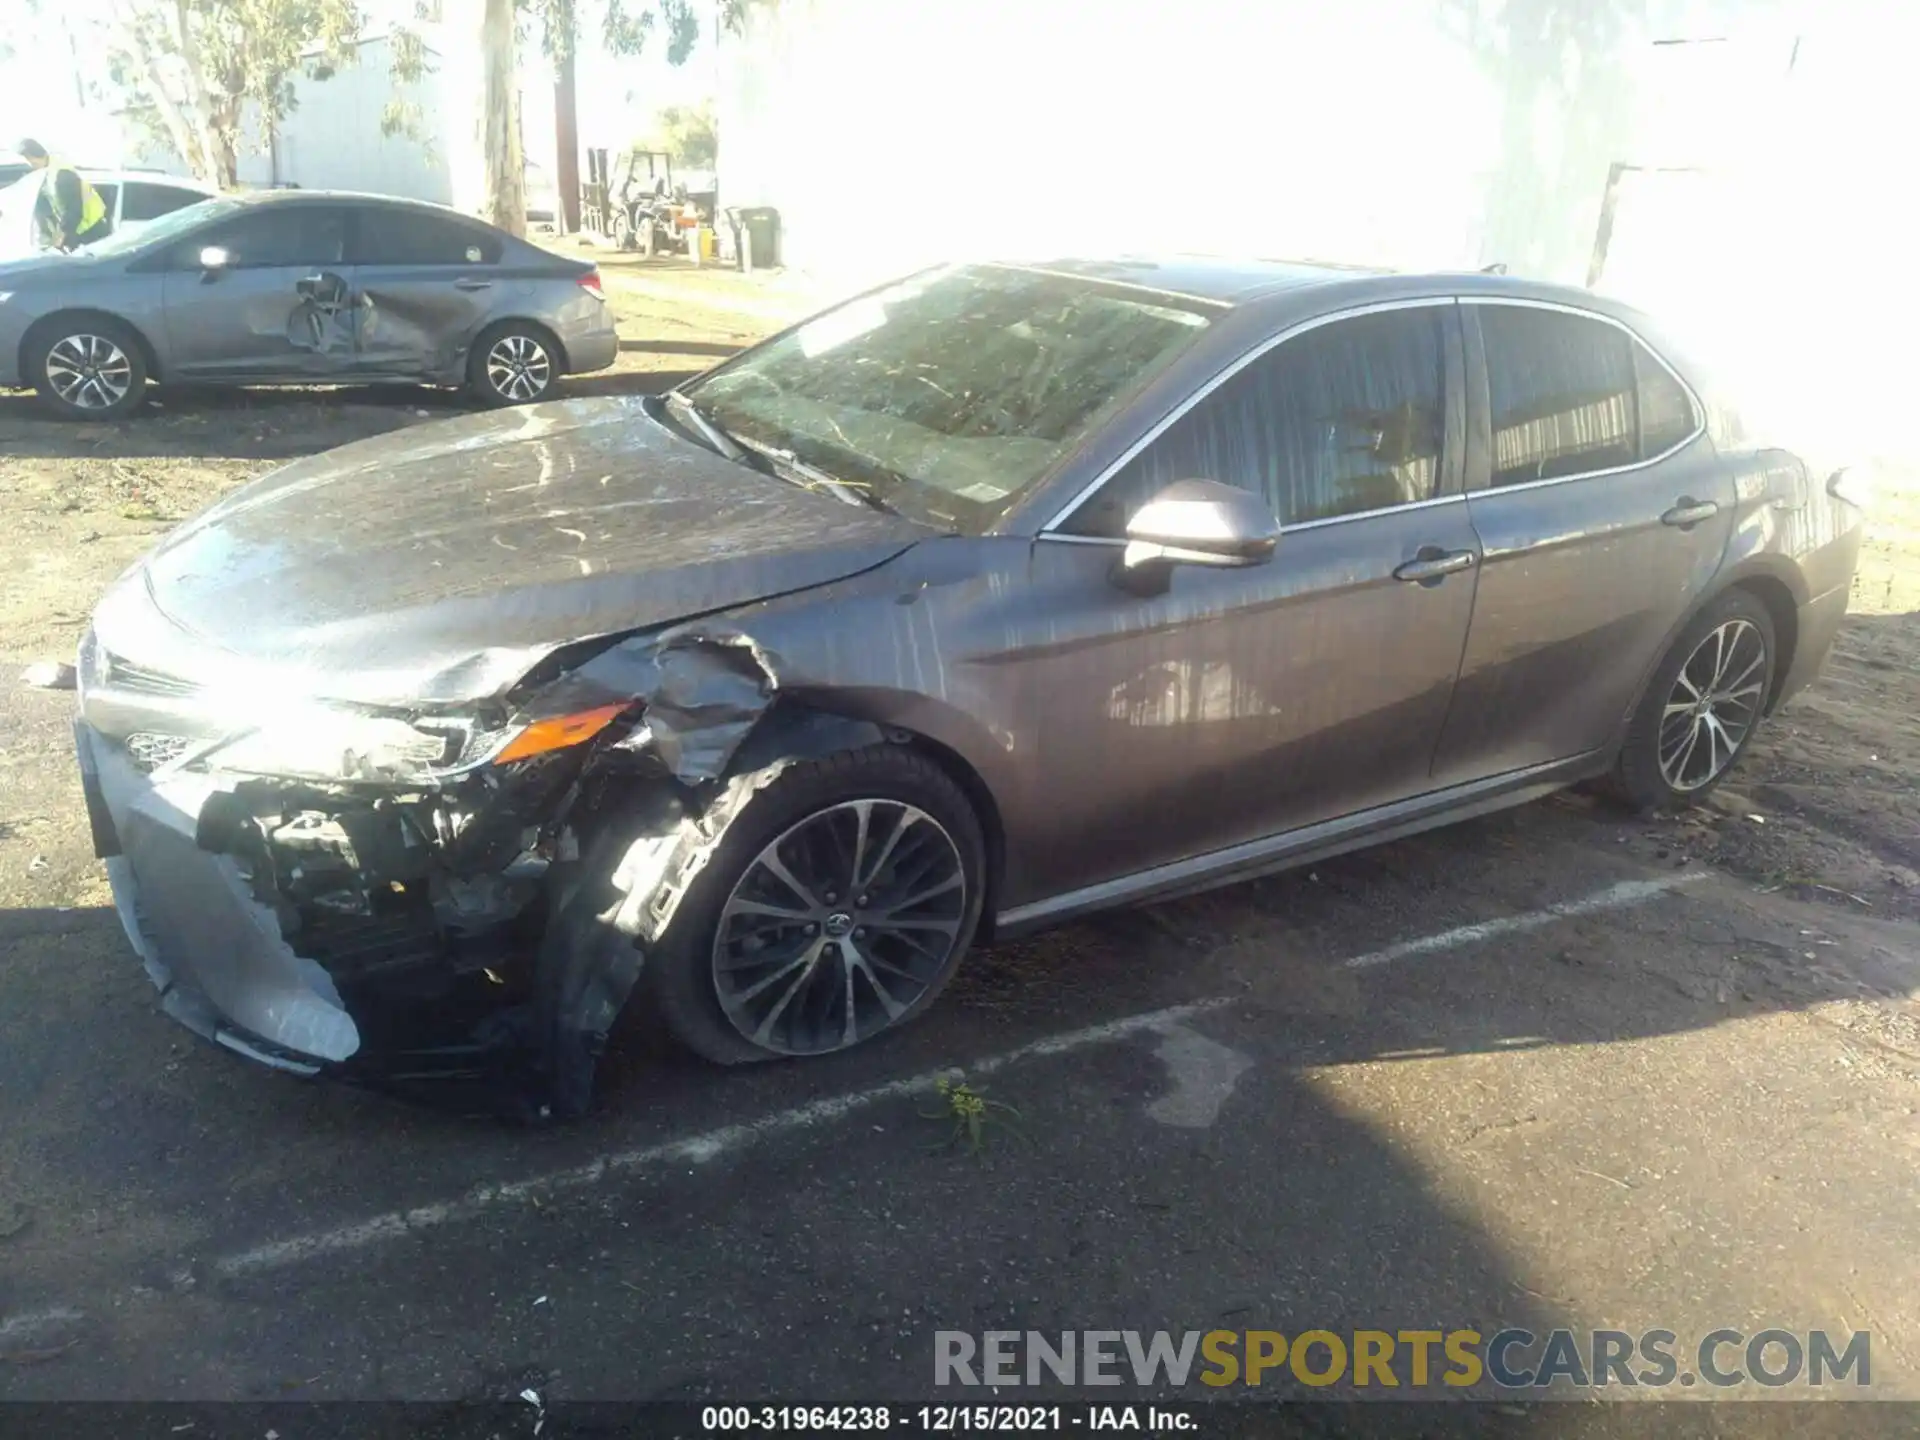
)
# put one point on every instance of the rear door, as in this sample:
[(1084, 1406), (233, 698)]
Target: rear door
[(427, 281), (1603, 514), (281, 306)]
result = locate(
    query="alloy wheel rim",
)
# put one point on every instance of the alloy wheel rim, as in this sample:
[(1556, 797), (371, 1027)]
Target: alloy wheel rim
[(1711, 710), (518, 367), (839, 927), (89, 372)]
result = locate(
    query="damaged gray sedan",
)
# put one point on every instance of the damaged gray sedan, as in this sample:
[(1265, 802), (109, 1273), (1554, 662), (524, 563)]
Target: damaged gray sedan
[(988, 599)]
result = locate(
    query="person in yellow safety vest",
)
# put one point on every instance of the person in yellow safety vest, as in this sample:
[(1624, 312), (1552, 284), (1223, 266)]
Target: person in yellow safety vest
[(69, 212)]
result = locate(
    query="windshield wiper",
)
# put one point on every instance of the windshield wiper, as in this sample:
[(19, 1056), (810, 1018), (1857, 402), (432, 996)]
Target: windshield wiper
[(810, 476), (724, 443)]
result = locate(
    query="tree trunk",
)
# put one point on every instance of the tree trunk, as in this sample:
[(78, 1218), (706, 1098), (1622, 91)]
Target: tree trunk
[(504, 198), (566, 145), (223, 150), (201, 105), (173, 115)]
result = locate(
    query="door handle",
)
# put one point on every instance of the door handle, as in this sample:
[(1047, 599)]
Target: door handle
[(473, 284), (1434, 564), (1688, 511)]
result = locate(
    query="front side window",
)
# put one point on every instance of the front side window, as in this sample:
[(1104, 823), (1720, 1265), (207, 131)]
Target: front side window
[(162, 240), (394, 235), (274, 236), (1571, 395), (950, 394), (1347, 418)]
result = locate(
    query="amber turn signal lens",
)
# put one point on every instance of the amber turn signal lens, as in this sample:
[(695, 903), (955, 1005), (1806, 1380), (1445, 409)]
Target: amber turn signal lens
[(558, 733)]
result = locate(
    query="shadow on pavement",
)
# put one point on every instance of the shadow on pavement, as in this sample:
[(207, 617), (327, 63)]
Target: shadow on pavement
[(680, 347)]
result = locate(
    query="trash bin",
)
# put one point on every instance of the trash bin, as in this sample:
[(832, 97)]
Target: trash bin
[(759, 237)]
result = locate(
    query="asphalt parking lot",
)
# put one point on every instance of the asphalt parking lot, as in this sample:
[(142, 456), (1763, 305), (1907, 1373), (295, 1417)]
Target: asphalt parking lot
[(1554, 1068)]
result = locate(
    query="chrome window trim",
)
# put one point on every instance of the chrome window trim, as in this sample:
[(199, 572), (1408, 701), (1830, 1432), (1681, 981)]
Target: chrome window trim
[(1228, 372), (1696, 406), (1186, 298), (1285, 530)]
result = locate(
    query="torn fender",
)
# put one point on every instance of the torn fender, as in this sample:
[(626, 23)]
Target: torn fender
[(710, 720)]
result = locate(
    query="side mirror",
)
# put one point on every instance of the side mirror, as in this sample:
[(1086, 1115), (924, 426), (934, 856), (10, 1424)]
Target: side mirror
[(1195, 522), (214, 258)]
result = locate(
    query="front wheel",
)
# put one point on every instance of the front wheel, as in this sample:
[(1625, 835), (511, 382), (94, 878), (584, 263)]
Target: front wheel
[(1702, 708), (513, 364), (835, 909), (90, 368)]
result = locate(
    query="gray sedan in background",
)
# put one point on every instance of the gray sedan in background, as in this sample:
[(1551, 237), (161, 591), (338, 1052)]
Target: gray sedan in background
[(300, 289)]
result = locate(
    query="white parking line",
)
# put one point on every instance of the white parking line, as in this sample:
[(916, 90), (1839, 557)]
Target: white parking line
[(694, 1149), (1614, 897), (697, 1149)]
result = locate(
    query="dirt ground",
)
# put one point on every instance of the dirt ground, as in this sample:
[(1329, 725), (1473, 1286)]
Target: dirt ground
[(1418, 1085)]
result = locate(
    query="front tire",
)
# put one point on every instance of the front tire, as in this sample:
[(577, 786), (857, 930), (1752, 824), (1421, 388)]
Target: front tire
[(89, 368), (835, 909), (1702, 708), (513, 364)]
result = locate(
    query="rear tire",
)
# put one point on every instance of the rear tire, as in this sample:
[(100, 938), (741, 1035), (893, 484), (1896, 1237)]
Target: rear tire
[(88, 368), (751, 969), (1701, 709), (513, 363)]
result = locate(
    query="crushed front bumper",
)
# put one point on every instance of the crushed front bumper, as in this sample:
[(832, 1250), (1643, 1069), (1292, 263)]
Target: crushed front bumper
[(218, 958), (478, 1024)]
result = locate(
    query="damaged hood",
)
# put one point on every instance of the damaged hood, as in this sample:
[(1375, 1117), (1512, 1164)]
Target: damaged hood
[(438, 564)]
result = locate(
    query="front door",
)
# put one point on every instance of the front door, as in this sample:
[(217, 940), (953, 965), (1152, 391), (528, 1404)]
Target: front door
[(427, 284), (1243, 703), (279, 306), (1603, 513)]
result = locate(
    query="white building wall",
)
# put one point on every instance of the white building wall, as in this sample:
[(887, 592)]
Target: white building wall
[(1410, 133), (331, 139), (1372, 130)]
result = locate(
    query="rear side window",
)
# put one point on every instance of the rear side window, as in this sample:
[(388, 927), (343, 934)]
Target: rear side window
[(1572, 395), (150, 202), (391, 235), (1347, 418)]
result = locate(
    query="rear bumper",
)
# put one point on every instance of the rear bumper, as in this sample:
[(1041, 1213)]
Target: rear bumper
[(592, 345), (1820, 621), (216, 955)]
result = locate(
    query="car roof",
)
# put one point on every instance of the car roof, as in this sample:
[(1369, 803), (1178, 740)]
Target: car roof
[(156, 177), (357, 197), (1223, 280), (1227, 281)]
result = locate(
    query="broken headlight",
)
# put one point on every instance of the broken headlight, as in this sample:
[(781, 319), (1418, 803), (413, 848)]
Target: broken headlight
[(326, 744)]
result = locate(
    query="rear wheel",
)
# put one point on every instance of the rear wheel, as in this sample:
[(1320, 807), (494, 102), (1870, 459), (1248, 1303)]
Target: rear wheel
[(513, 364), (835, 909), (1700, 713), (89, 368)]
